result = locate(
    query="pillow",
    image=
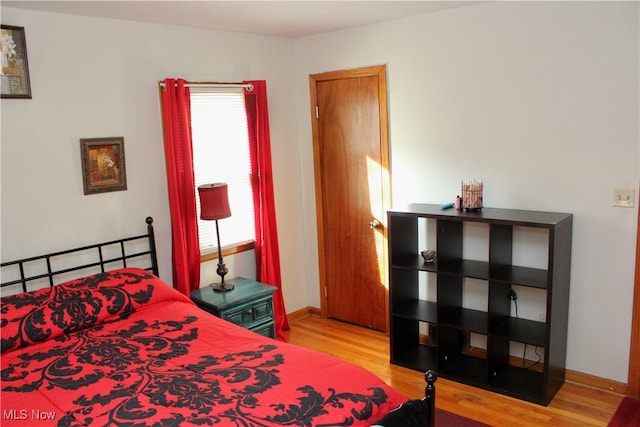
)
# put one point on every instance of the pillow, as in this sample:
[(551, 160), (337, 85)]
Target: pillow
[(32, 317)]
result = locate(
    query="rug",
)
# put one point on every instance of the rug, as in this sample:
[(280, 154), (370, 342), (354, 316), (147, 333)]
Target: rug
[(627, 414), (448, 419)]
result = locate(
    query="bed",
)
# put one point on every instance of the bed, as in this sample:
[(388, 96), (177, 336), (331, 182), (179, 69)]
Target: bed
[(121, 347)]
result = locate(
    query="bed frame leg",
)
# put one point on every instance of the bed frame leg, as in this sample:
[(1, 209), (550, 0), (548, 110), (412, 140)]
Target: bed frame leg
[(416, 412), (430, 394)]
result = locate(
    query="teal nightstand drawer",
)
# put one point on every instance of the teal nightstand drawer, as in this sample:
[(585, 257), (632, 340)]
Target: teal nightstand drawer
[(248, 315), (268, 329)]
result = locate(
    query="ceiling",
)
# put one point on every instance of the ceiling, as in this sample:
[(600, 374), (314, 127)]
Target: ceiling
[(289, 19)]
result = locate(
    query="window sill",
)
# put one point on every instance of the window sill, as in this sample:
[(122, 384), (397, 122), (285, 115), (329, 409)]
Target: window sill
[(210, 253)]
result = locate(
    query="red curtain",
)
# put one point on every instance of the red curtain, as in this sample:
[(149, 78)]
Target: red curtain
[(176, 119), (267, 252)]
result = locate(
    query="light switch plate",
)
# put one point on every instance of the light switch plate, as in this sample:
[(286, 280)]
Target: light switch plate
[(624, 197)]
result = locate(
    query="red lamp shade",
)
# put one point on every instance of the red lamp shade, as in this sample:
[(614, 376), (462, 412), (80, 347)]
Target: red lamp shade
[(214, 201)]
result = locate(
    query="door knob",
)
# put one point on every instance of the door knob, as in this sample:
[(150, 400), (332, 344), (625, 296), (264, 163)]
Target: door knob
[(374, 224)]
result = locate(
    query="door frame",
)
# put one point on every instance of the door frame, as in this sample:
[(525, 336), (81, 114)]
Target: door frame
[(633, 383), (381, 72)]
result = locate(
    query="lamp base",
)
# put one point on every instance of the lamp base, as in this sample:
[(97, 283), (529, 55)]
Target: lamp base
[(222, 287)]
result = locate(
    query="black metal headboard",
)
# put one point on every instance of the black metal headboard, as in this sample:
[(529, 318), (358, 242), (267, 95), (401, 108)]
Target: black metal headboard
[(57, 267)]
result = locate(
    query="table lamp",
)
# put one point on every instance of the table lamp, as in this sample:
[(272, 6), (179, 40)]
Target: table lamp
[(214, 205)]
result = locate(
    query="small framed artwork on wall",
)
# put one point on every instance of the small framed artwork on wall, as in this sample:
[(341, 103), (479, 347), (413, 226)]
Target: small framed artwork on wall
[(103, 165), (14, 74)]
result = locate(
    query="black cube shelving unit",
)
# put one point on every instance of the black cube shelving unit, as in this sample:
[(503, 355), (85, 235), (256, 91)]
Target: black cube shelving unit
[(449, 323)]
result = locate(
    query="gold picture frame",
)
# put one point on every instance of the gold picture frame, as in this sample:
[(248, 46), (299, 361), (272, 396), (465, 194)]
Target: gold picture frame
[(103, 165), (14, 71)]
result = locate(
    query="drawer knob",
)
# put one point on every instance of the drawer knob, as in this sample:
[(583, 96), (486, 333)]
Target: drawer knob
[(250, 311)]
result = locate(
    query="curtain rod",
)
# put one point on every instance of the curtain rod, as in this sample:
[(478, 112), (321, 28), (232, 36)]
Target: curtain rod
[(247, 86)]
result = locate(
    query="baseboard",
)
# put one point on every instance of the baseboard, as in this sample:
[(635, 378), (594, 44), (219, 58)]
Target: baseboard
[(302, 313), (595, 382), (570, 376)]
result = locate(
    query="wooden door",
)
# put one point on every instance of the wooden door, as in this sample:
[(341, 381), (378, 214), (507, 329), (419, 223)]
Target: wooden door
[(349, 120)]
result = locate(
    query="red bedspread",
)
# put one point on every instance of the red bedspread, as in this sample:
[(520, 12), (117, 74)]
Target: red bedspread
[(123, 348)]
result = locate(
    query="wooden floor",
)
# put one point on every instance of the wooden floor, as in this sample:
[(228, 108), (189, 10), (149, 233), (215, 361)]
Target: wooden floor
[(574, 405)]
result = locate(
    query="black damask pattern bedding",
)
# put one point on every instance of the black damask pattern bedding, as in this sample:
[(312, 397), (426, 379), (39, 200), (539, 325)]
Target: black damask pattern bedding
[(123, 348)]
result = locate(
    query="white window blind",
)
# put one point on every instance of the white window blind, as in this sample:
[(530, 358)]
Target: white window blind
[(221, 154)]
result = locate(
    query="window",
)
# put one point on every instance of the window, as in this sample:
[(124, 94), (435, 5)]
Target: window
[(221, 154)]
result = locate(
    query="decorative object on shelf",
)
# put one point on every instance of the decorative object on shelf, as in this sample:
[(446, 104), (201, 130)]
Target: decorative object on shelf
[(14, 71), (429, 255), (472, 195), (103, 165), (214, 205)]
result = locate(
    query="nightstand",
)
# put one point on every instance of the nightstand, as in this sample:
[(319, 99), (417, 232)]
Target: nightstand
[(249, 305)]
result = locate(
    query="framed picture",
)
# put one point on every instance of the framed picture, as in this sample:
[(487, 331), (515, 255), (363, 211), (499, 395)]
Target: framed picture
[(14, 74), (103, 166)]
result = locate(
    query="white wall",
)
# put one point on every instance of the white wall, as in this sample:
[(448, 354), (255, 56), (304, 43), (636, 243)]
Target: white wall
[(539, 100), (96, 77)]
